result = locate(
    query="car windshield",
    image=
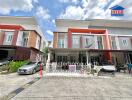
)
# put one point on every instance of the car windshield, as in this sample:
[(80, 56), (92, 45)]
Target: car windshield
[(29, 63)]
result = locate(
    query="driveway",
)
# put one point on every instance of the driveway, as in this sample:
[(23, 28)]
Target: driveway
[(78, 88), (11, 82)]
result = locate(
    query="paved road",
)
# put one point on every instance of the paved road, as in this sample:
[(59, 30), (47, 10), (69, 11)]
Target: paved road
[(11, 82), (90, 88)]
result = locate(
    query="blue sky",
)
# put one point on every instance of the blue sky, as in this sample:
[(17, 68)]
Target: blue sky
[(46, 11)]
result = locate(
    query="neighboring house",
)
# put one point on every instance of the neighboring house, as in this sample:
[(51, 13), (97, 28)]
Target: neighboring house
[(89, 41), (21, 38)]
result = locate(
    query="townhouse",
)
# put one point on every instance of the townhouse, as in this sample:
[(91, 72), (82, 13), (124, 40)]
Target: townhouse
[(89, 41), (21, 38)]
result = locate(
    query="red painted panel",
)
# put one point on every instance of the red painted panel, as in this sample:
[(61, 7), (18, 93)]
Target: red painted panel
[(14, 27), (108, 55), (95, 31)]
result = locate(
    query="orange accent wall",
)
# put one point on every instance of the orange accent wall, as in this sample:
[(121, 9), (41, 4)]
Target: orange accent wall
[(2, 36), (55, 40), (15, 38), (32, 39), (69, 38)]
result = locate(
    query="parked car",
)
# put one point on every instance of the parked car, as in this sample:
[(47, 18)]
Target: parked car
[(107, 69), (30, 68), (3, 62)]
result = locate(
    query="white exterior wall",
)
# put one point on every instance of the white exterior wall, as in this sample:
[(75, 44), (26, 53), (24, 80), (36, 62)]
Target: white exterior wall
[(95, 41), (117, 42), (62, 26), (115, 31), (19, 38), (38, 43)]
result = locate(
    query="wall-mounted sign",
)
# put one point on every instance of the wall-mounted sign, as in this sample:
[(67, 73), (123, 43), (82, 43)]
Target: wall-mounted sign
[(117, 10)]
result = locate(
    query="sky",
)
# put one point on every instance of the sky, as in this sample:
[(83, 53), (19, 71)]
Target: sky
[(46, 11)]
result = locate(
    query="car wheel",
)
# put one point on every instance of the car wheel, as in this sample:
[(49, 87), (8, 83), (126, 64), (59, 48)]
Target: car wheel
[(34, 71)]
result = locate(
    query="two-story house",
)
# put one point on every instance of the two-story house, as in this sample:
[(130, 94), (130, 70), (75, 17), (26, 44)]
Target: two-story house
[(21, 38), (89, 41)]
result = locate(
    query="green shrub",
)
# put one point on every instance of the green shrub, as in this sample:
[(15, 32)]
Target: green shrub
[(14, 65)]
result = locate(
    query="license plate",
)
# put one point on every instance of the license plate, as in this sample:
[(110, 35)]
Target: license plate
[(22, 71)]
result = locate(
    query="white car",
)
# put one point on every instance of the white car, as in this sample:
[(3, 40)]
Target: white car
[(108, 69)]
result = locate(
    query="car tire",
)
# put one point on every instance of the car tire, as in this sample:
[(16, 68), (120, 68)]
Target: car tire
[(34, 71)]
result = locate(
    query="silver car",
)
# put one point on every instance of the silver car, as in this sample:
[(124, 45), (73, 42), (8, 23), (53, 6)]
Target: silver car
[(29, 68), (3, 62)]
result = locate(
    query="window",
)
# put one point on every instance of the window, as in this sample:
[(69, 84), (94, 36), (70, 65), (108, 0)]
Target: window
[(61, 43), (65, 41), (61, 58), (113, 43), (99, 40), (88, 41), (72, 59), (61, 37), (124, 42), (75, 41), (8, 38), (25, 39)]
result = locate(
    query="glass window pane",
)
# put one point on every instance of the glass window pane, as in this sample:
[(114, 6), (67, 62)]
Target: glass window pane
[(75, 41)]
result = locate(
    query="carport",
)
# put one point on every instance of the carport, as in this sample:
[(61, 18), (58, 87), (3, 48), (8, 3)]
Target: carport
[(20, 53), (3, 54), (6, 53)]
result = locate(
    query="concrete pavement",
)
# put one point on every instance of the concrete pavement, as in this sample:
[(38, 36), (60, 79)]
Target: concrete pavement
[(13, 81), (79, 88)]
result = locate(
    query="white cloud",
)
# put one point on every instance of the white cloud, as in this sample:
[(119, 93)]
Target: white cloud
[(96, 9), (53, 21), (42, 13), (49, 32), (68, 1), (72, 12), (6, 6)]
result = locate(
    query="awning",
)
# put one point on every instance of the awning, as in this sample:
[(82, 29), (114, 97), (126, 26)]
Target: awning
[(86, 49)]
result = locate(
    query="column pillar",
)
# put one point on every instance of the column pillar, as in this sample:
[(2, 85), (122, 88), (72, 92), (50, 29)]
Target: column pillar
[(48, 62), (117, 43), (95, 41), (87, 57)]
